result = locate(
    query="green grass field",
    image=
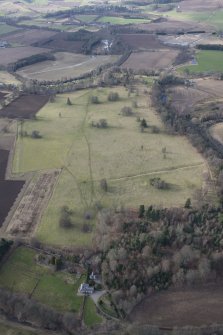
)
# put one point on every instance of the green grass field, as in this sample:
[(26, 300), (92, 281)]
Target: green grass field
[(5, 29), (121, 20), (122, 154), (21, 273), (91, 317), (208, 61), (214, 18)]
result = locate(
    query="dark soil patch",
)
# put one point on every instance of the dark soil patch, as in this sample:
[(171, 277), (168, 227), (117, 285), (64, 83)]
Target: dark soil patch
[(141, 41), (188, 307), (60, 42), (24, 107), (4, 155), (9, 191)]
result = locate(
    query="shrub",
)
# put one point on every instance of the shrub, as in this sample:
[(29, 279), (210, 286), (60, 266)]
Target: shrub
[(113, 96)]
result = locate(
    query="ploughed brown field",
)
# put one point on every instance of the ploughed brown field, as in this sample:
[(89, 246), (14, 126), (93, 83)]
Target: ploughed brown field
[(9, 189), (188, 307), (141, 41), (60, 42), (12, 55), (151, 60), (29, 37), (26, 106)]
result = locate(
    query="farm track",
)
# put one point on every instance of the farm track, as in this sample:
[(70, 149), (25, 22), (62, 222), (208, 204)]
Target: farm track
[(157, 172)]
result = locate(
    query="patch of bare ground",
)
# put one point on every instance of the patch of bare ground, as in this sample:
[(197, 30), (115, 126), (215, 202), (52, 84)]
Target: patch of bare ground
[(151, 60), (12, 55), (34, 200), (141, 41), (29, 37), (26, 106), (186, 307)]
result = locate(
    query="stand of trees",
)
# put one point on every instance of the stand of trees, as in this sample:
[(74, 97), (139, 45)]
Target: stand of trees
[(158, 248)]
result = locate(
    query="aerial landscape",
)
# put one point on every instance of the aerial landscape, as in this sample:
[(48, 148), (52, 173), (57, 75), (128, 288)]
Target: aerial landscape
[(111, 167)]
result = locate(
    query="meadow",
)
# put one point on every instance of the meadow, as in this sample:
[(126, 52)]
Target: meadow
[(21, 273), (122, 20), (5, 29), (207, 61), (121, 154)]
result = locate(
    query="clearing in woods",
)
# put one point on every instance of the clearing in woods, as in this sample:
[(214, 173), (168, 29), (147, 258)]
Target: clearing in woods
[(121, 153)]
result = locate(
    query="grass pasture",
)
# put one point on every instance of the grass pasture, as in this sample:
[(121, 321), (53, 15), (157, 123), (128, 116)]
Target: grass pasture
[(207, 61), (21, 274), (122, 20), (6, 29), (122, 154)]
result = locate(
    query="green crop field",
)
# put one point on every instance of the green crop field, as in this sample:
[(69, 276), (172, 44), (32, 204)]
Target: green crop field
[(214, 18), (208, 61), (121, 154), (21, 273), (5, 29), (122, 20)]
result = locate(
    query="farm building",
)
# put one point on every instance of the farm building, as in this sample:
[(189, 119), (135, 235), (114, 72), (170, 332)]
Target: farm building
[(86, 289)]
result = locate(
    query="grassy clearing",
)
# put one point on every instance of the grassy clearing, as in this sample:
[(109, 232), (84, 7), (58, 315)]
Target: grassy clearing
[(86, 18), (122, 154), (208, 61), (91, 317), (213, 18), (121, 20), (5, 29), (21, 273)]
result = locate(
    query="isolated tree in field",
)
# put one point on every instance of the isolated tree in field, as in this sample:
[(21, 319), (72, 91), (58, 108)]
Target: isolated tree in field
[(65, 217), (69, 103), (143, 123), (52, 98), (141, 211), (126, 111), (36, 134), (134, 104), (187, 203), (94, 99), (104, 185), (113, 96)]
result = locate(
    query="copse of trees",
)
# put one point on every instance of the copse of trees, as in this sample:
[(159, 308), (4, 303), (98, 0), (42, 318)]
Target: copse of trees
[(133, 257), (126, 111), (30, 60), (65, 217), (5, 245), (24, 309)]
